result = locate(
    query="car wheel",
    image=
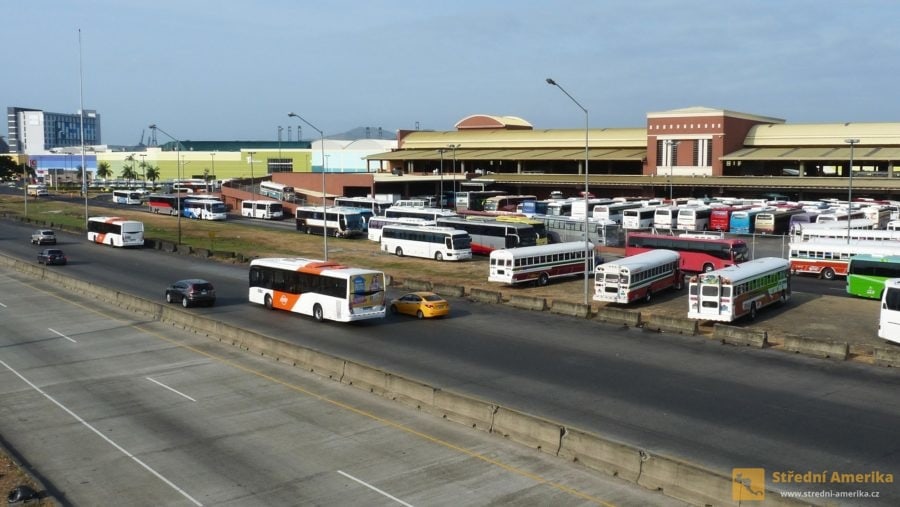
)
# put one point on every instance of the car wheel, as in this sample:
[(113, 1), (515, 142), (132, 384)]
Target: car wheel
[(420, 315), (438, 256), (185, 302), (268, 302), (169, 297), (394, 309), (399, 252), (317, 313)]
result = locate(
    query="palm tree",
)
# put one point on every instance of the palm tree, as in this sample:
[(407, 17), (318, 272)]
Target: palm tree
[(128, 173), (152, 173), (103, 170)]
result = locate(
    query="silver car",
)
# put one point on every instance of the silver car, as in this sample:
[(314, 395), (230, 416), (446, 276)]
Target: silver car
[(43, 237)]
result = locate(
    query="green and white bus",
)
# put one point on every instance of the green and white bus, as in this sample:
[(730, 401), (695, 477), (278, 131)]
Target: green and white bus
[(866, 274)]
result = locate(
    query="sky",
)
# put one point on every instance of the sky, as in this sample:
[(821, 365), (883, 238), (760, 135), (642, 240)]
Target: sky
[(214, 70)]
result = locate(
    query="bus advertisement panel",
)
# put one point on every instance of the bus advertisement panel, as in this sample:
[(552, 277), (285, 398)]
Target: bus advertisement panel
[(638, 277), (730, 293), (542, 263), (321, 289), (866, 274), (115, 231), (698, 254)]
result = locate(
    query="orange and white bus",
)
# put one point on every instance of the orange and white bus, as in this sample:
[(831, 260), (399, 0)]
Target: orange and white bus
[(741, 290), (638, 277), (115, 231), (322, 289), (829, 258)]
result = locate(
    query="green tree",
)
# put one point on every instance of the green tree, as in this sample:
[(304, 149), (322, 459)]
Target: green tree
[(12, 170), (152, 173), (103, 170), (128, 173)]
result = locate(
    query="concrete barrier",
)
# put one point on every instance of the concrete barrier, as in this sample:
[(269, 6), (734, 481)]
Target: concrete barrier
[(417, 285), (484, 296), (528, 302), (447, 290), (887, 356), (410, 392), (464, 409), (597, 453), (202, 252), (685, 481), (817, 348), (630, 318), (167, 246), (740, 336), (324, 364), (570, 309), (667, 324), (527, 429), (365, 377)]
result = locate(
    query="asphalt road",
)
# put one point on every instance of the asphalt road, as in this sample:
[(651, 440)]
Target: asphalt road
[(110, 410), (719, 406)]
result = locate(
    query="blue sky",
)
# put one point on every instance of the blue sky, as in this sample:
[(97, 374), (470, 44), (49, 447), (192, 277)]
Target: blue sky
[(213, 70)]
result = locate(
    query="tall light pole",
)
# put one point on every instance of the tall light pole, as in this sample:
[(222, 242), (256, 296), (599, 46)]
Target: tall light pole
[(324, 194), (212, 155), (454, 147), (178, 167), (852, 143), (588, 254), (252, 186), (670, 155), (441, 169), (144, 169)]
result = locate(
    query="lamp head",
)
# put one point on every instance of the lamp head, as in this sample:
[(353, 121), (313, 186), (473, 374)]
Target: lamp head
[(551, 81), (152, 126), (292, 115)]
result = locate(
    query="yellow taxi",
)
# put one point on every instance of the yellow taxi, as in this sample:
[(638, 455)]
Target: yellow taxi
[(421, 304)]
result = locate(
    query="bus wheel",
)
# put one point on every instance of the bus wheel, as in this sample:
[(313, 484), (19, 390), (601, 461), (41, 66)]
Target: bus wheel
[(268, 302), (317, 313), (784, 298), (708, 267), (679, 282), (438, 256), (828, 274), (399, 252), (753, 311), (543, 279)]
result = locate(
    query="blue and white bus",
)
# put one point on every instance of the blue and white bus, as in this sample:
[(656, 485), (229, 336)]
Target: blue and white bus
[(204, 209)]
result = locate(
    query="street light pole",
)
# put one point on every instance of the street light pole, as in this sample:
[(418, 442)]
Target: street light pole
[(453, 171), (178, 168), (324, 194), (441, 169), (212, 155), (588, 255), (852, 143), (144, 169), (252, 186), (670, 154)]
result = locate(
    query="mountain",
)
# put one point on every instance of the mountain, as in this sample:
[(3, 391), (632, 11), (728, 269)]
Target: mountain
[(365, 133)]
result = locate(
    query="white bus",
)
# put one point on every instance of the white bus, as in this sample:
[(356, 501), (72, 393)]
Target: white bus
[(37, 190), (324, 290), (277, 191), (614, 212), (578, 206), (375, 205), (889, 318), (638, 277), (814, 234), (204, 209), (541, 263), (267, 210), (665, 218), (418, 212), (376, 224), (115, 231), (693, 218), (341, 222), (128, 197), (638, 218), (438, 243), (729, 293), (829, 258)]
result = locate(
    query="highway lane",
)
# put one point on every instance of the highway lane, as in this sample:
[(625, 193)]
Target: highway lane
[(721, 406), (113, 410)]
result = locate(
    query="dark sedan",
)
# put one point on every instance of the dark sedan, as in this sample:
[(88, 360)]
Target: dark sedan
[(50, 256), (191, 292)]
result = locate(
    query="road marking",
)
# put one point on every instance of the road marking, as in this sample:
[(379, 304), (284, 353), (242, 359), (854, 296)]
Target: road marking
[(101, 435), (3, 305), (60, 334), (169, 388), (373, 488)]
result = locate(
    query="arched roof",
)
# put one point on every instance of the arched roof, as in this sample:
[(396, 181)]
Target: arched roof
[(487, 121)]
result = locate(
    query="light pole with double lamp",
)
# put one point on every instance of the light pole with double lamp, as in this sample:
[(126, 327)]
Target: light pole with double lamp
[(588, 254), (441, 196), (324, 200), (852, 143), (454, 147), (178, 167)]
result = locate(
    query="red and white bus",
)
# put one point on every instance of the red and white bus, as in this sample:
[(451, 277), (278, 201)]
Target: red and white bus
[(698, 252), (322, 289), (541, 263), (727, 294), (829, 258), (115, 231), (638, 277), (164, 203)]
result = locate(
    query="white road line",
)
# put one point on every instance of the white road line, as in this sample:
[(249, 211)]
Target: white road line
[(3, 305), (373, 488), (169, 388), (104, 437), (60, 334)]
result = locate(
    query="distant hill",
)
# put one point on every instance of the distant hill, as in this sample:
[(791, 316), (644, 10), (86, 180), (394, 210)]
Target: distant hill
[(365, 133)]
